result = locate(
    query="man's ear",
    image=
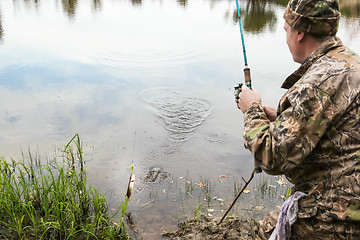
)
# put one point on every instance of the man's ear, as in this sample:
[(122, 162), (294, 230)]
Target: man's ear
[(300, 36)]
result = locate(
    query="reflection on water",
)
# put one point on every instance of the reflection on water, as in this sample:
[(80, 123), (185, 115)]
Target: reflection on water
[(136, 2), (69, 7), (1, 30), (182, 2), (28, 2), (350, 8), (97, 5), (256, 16)]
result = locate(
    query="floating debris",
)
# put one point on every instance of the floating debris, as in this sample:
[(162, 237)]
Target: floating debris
[(281, 181), (155, 175), (218, 199)]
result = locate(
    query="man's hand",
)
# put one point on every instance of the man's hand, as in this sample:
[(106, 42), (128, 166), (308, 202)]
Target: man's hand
[(248, 97), (270, 112)]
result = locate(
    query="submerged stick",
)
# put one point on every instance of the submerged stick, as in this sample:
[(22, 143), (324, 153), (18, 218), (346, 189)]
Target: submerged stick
[(237, 196)]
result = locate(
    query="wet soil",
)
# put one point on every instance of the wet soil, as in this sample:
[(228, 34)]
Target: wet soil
[(233, 228)]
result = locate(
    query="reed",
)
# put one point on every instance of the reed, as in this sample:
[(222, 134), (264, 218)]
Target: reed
[(53, 201), (207, 189)]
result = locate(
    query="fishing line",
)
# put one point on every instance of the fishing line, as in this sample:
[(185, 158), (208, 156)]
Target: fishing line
[(132, 175), (134, 141)]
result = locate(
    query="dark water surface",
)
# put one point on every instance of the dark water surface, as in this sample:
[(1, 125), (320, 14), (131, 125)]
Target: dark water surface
[(147, 83)]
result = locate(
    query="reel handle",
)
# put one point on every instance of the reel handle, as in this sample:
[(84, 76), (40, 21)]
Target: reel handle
[(237, 91)]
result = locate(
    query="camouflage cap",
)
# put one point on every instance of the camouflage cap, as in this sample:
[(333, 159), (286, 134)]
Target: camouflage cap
[(316, 17)]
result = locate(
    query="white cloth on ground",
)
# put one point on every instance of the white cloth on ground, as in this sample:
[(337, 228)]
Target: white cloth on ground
[(287, 217)]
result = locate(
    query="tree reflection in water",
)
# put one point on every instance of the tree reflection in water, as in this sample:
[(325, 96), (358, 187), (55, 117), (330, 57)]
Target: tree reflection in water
[(136, 2), (182, 3), (1, 31), (257, 15), (69, 7), (350, 9), (28, 2), (97, 5)]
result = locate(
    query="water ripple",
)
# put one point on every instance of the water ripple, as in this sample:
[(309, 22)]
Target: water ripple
[(146, 59), (181, 111)]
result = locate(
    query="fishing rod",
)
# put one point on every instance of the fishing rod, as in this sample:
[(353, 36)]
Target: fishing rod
[(237, 91), (246, 69), (247, 75)]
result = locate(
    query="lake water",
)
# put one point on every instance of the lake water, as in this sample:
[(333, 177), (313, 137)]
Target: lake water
[(148, 83)]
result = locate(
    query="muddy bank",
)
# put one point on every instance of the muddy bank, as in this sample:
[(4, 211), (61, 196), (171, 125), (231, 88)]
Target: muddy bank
[(233, 228)]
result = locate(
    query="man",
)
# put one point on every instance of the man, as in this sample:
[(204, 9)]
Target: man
[(313, 138)]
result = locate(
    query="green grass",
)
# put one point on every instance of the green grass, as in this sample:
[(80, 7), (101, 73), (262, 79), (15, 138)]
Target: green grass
[(207, 188), (53, 201), (197, 213)]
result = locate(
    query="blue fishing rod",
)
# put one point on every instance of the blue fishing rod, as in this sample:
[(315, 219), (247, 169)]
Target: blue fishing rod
[(246, 72), (247, 75), (246, 69), (237, 91)]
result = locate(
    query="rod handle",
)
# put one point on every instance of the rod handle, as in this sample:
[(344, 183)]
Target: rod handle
[(247, 77)]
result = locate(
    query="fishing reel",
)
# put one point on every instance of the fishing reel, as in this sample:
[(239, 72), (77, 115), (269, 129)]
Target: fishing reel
[(237, 91)]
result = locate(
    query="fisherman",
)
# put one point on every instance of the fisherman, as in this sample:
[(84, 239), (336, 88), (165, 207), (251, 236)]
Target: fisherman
[(313, 138)]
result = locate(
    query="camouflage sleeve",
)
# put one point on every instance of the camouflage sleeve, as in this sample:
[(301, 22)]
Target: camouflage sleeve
[(280, 146), (258, 138)]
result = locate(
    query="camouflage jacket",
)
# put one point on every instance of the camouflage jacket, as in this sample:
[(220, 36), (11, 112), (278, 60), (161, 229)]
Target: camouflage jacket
[(315, 140)]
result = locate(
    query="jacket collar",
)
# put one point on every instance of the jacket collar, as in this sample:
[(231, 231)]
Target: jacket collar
[(325, 47)]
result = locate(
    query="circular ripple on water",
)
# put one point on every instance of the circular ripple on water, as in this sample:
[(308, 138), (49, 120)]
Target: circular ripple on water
[(182, 112), (145, 60)]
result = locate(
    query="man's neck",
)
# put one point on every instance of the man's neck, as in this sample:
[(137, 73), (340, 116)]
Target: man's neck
[(310, 45)]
